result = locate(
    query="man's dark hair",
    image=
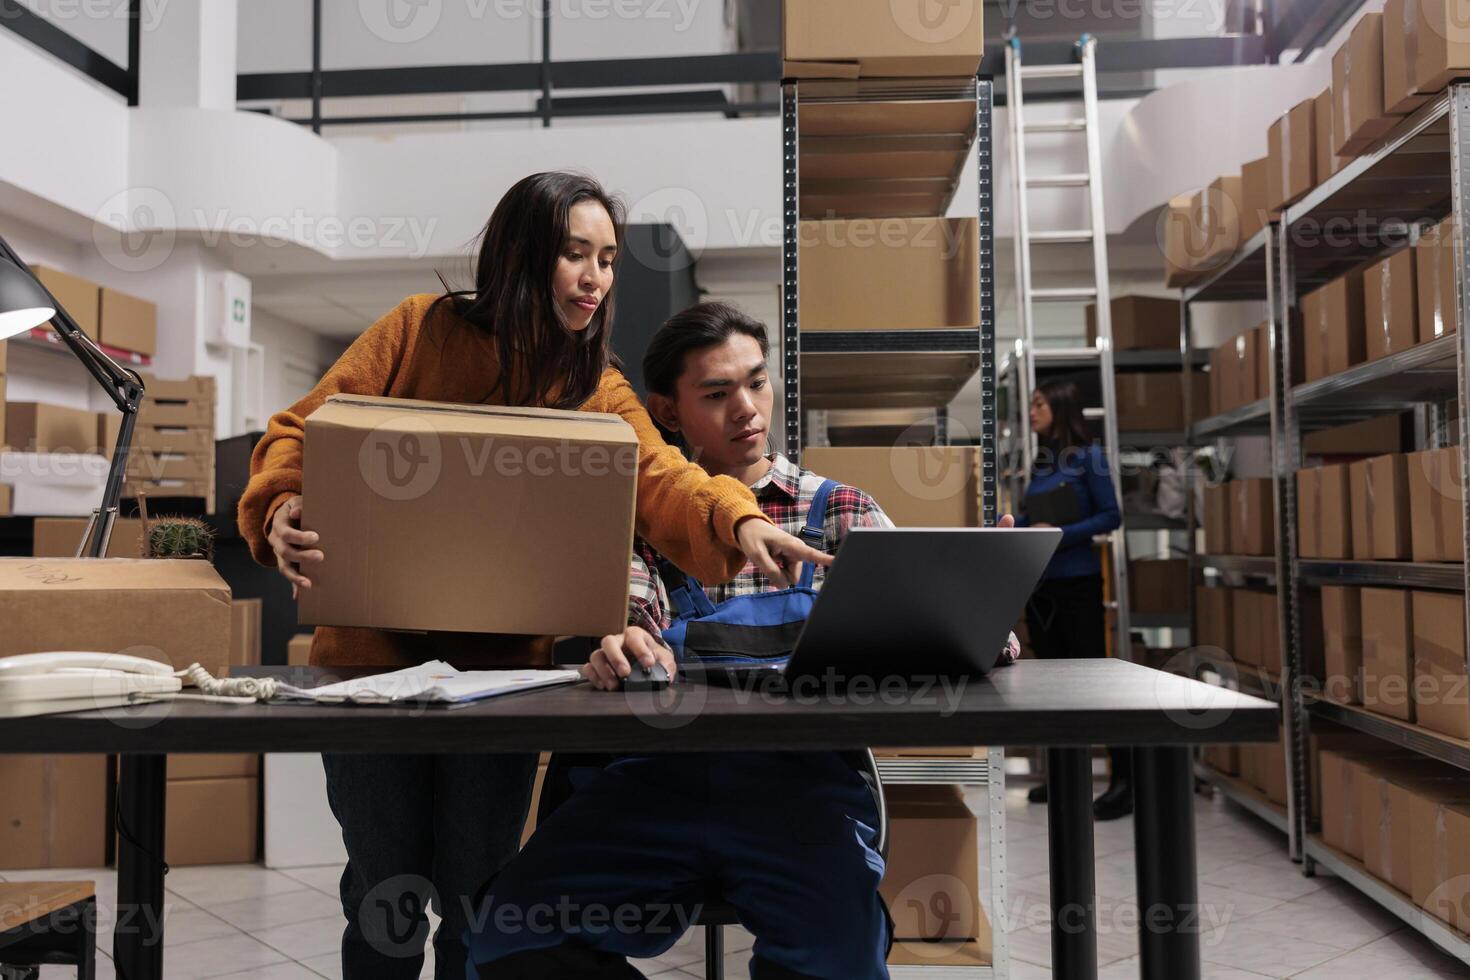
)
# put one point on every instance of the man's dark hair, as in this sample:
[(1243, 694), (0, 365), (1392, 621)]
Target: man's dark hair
[(701, 326)]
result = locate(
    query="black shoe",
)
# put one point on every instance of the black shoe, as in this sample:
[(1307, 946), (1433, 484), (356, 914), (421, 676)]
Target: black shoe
[(1116, 802), (1037, 794)]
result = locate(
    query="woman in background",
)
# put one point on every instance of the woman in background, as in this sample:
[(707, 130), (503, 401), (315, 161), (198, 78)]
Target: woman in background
[(1072, 489)]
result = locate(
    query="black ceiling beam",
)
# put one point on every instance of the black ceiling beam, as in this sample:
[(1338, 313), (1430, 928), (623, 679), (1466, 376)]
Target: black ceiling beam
[(62, 46)]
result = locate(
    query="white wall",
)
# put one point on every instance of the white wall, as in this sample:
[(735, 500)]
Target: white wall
[(292, 353)]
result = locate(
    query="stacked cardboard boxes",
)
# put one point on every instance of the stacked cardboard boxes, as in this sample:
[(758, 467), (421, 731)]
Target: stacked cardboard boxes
[(931, 883), (173, 444)]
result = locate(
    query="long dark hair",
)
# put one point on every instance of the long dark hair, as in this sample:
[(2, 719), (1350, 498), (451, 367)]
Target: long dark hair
[(700, 326), (543, 362), (1068, 431)]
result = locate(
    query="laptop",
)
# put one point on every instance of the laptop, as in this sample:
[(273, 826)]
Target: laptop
[(909, 602)]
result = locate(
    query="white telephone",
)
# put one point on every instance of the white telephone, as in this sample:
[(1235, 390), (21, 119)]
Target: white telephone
[(49, 683)]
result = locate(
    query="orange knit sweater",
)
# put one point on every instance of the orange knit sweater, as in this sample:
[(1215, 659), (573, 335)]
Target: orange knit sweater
[(682, 511)]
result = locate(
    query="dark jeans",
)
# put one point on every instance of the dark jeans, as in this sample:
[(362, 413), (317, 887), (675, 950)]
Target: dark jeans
[(420, 829), (1065, 619)]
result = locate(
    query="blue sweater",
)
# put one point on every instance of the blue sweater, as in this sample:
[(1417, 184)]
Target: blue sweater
[(1087, 473)]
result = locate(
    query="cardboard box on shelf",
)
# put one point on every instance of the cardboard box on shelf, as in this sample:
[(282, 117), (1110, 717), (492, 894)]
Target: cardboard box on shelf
[(1436, 523), (890, 274), (78, 296), (202, 489), (160, 412), (1221, 208), (410, 551), (212, 821), (1255, 208), (1438, 34), (1434, 271), (873, 38), (298, 649), (917, 486), (173, 439), (1217, 507), (1442, 858), (1139, 323), (972, 953), (1273, 770), (148, 465), (53, 811), (1333, 334), (1246, 629), (1388, 665), (1389, 313), (932, 863), (1357, 87), (36, 427), (59, 537), (1158, 585), (1342, 636), (1214, 618), (171, 610), (1338, 773), (1154, 400), (1309, 530), (127, 322), (211, 766), (1184, 248), (1325, 521), (1268, 619), (1375, 436), (1223, 758), (1325, 161), (197, 387), (1391, 796), (1441, 700), (1380, 508), (1400, 96), (1252, 517), (1291, 169)]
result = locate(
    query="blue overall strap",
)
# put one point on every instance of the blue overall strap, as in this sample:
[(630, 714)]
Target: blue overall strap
[(815, 529), (686, 595)]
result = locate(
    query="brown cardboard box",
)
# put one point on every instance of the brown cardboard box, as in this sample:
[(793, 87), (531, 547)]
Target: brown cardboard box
[(244, 651), (1250, 764), (1428, 850), (1357, 87), (59, 537), (890, 274), (1222, 206), (209, 766), (36, 427), (1273, 770), (1254, 197), (1338, 776), (53, 811), (173, 610), (1325, 515), (1326, 160), (173, 439), (79, 297), (1217, 507), (1438, 33), (1441, 700), (1245, 608), (127, 322), (411, 548), (108, 425), (1159, 585), (1342, 633), (1268, 631), (1388, 666), (169, 487), (5, 496), (1234, 371), (1380, 508), (148, 465), (1214, 618), (1375, 436), (1139, 323), (198, 387), (872, 38), (1389, 314), (1291, 161), (155, 412), (1399, 94), (1390, 797), (1185, 247), (212, 821), (1333, 334), (298, 650), (972, 953), (1222, 383), (917, 486), (1434, 267), (1437, 523), (932, 858), (1223, 758), (1447, 865), (1252, 517), (1154, 400)]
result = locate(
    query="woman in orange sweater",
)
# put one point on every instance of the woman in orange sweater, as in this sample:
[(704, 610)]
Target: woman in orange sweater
[(533, 331)]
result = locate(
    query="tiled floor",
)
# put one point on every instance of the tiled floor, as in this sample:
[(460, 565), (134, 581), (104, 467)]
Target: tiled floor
[(1263, 918)]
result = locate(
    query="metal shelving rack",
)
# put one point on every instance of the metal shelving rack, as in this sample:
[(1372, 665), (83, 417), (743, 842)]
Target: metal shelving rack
[(956, 354), (1418, 174)]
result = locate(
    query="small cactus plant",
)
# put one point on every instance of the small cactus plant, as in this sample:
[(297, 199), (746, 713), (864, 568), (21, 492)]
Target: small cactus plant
[(180, 537)]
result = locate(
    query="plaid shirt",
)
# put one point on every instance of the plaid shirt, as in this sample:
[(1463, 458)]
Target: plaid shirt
[(785, 495)]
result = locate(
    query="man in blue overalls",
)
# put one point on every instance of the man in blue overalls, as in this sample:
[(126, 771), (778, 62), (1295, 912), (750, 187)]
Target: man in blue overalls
[(786, 838)]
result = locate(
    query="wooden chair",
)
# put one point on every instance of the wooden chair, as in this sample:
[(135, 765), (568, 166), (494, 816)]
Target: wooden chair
[(48, 923)]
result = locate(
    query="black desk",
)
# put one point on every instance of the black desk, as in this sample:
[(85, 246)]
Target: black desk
[(1065, 706)]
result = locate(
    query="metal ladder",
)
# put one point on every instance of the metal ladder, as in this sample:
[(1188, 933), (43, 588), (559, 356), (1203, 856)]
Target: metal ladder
[(1085, 67)]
